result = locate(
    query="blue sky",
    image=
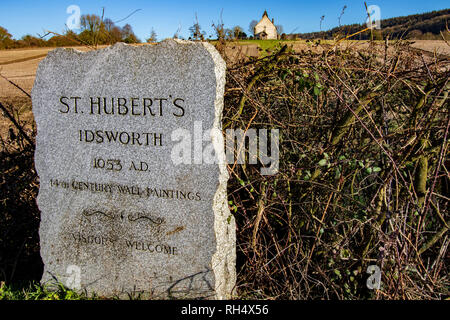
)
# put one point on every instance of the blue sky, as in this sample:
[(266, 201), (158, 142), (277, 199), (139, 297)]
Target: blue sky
[(22, 17)]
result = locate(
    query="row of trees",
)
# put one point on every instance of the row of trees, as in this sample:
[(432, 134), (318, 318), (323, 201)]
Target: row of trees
[(222, 33), (419, 26), (94, 30)]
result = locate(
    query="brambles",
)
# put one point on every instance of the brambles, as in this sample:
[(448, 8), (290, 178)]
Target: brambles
[(363, 176), (19, 215), (362, 181)]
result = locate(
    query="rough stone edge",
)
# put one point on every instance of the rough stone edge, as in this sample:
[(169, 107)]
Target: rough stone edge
[(224, 260)]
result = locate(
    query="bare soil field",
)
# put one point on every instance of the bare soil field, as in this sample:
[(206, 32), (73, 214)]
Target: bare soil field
[(12, 55), (20, 65), (427, 46), (433, 46)]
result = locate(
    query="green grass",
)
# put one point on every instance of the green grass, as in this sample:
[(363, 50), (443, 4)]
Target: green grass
[(35, 291), (264, 44)]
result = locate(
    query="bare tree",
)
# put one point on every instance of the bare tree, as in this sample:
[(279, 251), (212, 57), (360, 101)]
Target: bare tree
[(280, 29), (109, 24), (219, 28), (196, 30), (115, 35), (251, 27), (4, 34), (128, 35), (177, 33), (127, 30), (92, 27), (90, 22), (153, 36), (237, 32)]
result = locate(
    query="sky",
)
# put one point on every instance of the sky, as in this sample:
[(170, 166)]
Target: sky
[(21, 17)]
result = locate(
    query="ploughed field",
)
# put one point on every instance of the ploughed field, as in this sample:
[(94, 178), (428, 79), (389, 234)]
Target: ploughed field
[(19, 66)]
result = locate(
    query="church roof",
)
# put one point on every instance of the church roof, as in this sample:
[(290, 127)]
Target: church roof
[(265, 19)]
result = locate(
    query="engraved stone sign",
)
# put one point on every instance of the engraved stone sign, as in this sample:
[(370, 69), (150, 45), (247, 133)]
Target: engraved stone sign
[(129, 152)]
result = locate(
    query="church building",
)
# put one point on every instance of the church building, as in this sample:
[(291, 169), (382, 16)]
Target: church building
[(265, 29)]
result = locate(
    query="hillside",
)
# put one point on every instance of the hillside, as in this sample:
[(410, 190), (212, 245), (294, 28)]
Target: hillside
[(425, 26)]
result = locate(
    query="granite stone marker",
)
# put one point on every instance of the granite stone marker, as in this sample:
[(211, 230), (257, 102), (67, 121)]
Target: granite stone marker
[(132, 179)]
